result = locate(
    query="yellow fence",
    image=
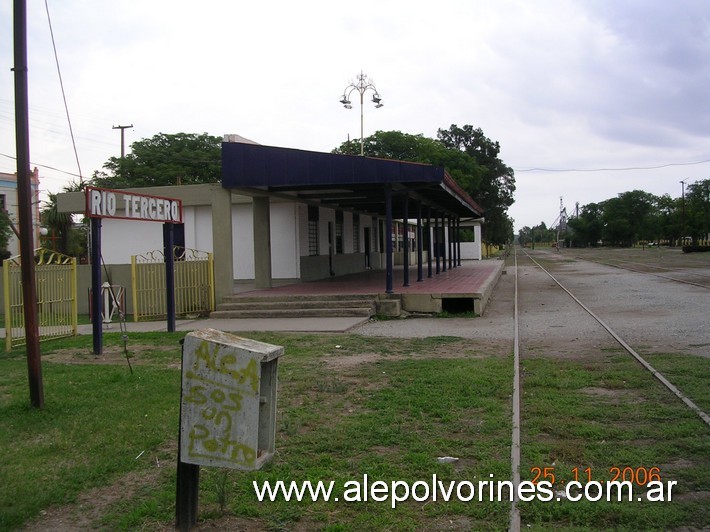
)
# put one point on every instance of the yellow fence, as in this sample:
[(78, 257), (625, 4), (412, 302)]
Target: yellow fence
[(194, 284), (55, 281)]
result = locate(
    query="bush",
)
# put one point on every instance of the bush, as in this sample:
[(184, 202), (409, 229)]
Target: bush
[(689, 249)]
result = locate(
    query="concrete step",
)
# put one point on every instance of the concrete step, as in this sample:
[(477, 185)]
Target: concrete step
[(303, 304), (299, 297), (296, 306), (294, 313)]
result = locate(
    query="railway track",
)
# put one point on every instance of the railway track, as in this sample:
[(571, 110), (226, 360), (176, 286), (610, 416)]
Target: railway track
[(589, 325), (685, 276)]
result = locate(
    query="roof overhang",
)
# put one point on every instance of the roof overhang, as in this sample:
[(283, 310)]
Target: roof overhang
[(345, 182)]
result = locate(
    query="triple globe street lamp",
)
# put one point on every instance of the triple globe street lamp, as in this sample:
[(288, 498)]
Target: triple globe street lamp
[(362, 86)]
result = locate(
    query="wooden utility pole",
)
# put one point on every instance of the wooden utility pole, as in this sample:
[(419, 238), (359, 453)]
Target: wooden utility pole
[(24, 200), (123, 139)]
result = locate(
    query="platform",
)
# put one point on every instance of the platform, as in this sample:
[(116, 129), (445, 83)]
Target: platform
[(466, 287)]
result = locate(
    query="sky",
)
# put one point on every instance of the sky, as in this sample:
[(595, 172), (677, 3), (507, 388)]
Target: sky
[(587, 99)]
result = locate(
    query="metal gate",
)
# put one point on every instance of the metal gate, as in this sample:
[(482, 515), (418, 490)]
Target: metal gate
[(194, 283), (55, 279)]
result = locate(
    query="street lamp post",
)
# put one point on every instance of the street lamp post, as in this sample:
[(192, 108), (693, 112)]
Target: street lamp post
[(363, 85)]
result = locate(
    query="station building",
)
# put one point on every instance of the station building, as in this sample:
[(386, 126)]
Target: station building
[(282, 215)]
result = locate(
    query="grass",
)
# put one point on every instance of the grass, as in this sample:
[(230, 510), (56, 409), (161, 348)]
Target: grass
[(348, 406), (389, 418), (604, 414)]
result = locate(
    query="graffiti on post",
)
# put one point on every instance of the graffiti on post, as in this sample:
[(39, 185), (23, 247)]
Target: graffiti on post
[(221, 400)]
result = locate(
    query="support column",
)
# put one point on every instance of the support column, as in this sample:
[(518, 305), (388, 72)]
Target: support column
[(420, 248), (169, 257), (451, 243), (388, 239), (458, 238), (455, 254), (429, 238), (405, 239), (222, 242), (445, 237), (437, 244), (96, 286), (262, 242)]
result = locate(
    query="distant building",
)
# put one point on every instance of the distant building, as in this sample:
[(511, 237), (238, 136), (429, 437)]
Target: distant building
[(9, 203)]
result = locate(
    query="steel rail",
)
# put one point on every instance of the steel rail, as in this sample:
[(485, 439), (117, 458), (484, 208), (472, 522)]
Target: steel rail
[(514, 525), (689, 403), (647, 273)]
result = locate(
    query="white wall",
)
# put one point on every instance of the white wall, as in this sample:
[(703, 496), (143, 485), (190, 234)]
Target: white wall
[(122, 238), (285, 263), (202, 224), (243, 241)]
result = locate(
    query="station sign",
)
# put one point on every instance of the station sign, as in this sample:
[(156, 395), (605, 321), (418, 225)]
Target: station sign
[(124, 205)]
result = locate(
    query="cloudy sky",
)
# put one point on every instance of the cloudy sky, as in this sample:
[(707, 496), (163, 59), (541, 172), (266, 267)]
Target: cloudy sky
[(587, 99)]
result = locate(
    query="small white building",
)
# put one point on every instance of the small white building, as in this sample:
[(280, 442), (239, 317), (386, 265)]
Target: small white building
[(9, 202)]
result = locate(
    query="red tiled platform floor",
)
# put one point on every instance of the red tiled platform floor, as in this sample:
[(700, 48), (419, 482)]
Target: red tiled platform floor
[(472, 277)]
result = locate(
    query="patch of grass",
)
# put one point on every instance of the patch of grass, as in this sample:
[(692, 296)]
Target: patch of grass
[(467, 314), (604, 414), (96, 421), (389, 418), (388, 414), (687, 372)]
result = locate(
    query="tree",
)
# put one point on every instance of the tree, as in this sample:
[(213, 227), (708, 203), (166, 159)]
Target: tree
[(61, 224), (697, 201), (470, 158), (495, 190), (179, 159), (587, 227), (627, 218), (6, 233)]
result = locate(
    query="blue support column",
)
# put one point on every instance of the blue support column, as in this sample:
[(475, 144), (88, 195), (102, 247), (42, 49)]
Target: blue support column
[(428, 240), (451, 243), (437, 243), (420, 246), (444, 244), (458, 238), (96, 285), (388, 238), (405, 239), (168, 244)]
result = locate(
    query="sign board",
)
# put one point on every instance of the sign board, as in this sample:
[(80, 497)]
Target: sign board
[(228, 404), (122, 204)]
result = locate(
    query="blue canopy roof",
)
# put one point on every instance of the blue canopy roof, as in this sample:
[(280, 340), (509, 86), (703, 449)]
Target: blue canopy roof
[(342, 181)]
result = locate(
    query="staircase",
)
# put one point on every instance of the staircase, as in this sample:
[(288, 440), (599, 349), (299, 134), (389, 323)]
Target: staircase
[(296, 306)]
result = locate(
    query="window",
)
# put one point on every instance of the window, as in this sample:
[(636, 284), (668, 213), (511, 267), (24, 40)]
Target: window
[(356, 233), (312, 230), (339, 232), (3, 204)]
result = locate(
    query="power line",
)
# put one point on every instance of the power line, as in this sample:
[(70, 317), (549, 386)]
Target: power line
[(64, 96), (43, 166), (624, 169)]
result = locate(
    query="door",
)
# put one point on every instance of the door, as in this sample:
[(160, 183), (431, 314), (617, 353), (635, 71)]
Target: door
[(367, 248)]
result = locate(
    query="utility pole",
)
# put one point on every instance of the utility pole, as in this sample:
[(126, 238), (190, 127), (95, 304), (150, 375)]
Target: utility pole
[(562, 220), (24, 200), (123, 138), (682, 212), (123, 144)]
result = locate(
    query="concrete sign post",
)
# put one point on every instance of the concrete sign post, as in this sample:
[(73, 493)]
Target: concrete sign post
[(227, 409)]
